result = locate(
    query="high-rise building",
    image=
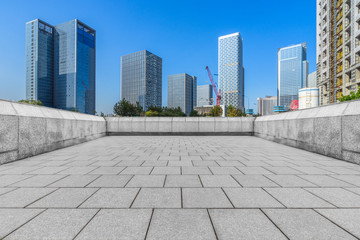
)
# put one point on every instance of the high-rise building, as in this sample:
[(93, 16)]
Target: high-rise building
[(266, 105), (204, 95), (231, 70), (292, 73), (141, 79), (60, 65), (182, 92), (312, 80), (338, 49)]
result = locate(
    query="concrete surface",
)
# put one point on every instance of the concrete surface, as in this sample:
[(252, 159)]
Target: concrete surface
[(179, 187)]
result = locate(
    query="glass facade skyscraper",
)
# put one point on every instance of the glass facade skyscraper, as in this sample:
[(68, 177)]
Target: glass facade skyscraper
[(231, 70), (141, 79), (182, 90), (292, 73), (60, 65), (204, 95)]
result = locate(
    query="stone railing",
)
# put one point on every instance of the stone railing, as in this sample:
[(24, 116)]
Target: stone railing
[(332, 130), (27, 130)]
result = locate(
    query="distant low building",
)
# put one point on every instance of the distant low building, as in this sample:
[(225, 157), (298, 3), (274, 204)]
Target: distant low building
[(204, 95), (266, 105), (204, 109)]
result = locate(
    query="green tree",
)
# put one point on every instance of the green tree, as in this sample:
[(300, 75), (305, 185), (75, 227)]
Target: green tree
[(151, 113), (126, 109), (33, 102), (351, 96), (102, 114), (234, 112), (194, 113), (216, 111)]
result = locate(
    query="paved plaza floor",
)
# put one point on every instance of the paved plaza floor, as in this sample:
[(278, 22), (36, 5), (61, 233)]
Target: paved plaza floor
[(180, 187)]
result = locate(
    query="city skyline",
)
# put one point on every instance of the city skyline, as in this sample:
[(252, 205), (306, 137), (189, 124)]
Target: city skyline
[(201, 50)]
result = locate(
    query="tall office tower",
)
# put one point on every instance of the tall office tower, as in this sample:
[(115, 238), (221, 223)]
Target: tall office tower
[(141, 79), (182, 92), (60, 65), (312, 80), (231, 70), (266, 105), (292, 73), (204, 95), (40, 54), (338, 49)]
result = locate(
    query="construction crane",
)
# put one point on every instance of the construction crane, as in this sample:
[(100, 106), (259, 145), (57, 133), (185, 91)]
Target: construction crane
[(217, 93)]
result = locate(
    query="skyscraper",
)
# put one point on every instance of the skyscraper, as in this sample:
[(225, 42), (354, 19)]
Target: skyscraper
[(60, 65), (182, 92), (337, 52), (204, 95), (231, 70), (141, 78), (292, 73), (266, 105)]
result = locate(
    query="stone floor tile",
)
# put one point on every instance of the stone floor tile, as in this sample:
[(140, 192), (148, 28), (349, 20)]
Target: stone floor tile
[(352, 179), (205, 198), (254, 181), (147, 181), (11, 219), (111, 181), (20, 170), (107, 170), (136, 170), (205, 163), (337, 196), (290, 181), (251, 198), (151, 163), (218, 181), (111, 198), (283, 170), (79, 163), (74, 181), (166, 170), (38, 181), (212, 158), (311, 170), (298, 198), (348, 219), (190, 158), (64, 198), (325, 181), (6, 180), (254, 170), (77, 170), (181, 224), (196, 171), (354, 190), (224, 170), (104, 164), (182, 181), (22, 197), (130, 163), (341, 170), (254, 163), (117, 224), (48, 170), (243, 224), (158, 198), (309, 224), (55, 224), (180, 164), (6, 190)]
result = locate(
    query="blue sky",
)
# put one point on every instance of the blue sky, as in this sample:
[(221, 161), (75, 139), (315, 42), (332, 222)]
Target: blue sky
[(184, 33)]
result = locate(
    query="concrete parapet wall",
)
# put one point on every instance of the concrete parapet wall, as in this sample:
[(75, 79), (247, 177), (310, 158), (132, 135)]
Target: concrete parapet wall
[(27, 130), (179, 126), (332, 130)]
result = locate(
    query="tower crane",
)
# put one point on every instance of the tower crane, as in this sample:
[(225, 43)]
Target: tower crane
[(217, 93)]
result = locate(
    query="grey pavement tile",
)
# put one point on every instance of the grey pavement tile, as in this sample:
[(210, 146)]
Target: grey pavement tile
[(58, 163), (337, 196), (78, 163), (243, 224), (181, 224), (224, 170), (136, 170), (130, 163), (352, 179), (205, 198), (147, 181), (111, 181), (111, 198), (77, 170), (230, 163), (38, 181), (182, 181), (254, 163), (196, 171), (283, 170), (180, 164), (47, 170), (20, 170), (158, 198), (254, 181), (205, 163), (290, 181), (22, 197), (119, 224), (104, 164), (166, 170), (297, 198), (169, 158), (7, 180), (311, 170), (107, 170), (6, 190), (212, 158), (309, 224), (325, 181), (354, 190), (251, 198), (218, 181), (190, 158), (151, 163), (254, 170), (348, 219), (11, 219), (64, 198), (341, 170), (55, 224), (74, 181)]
